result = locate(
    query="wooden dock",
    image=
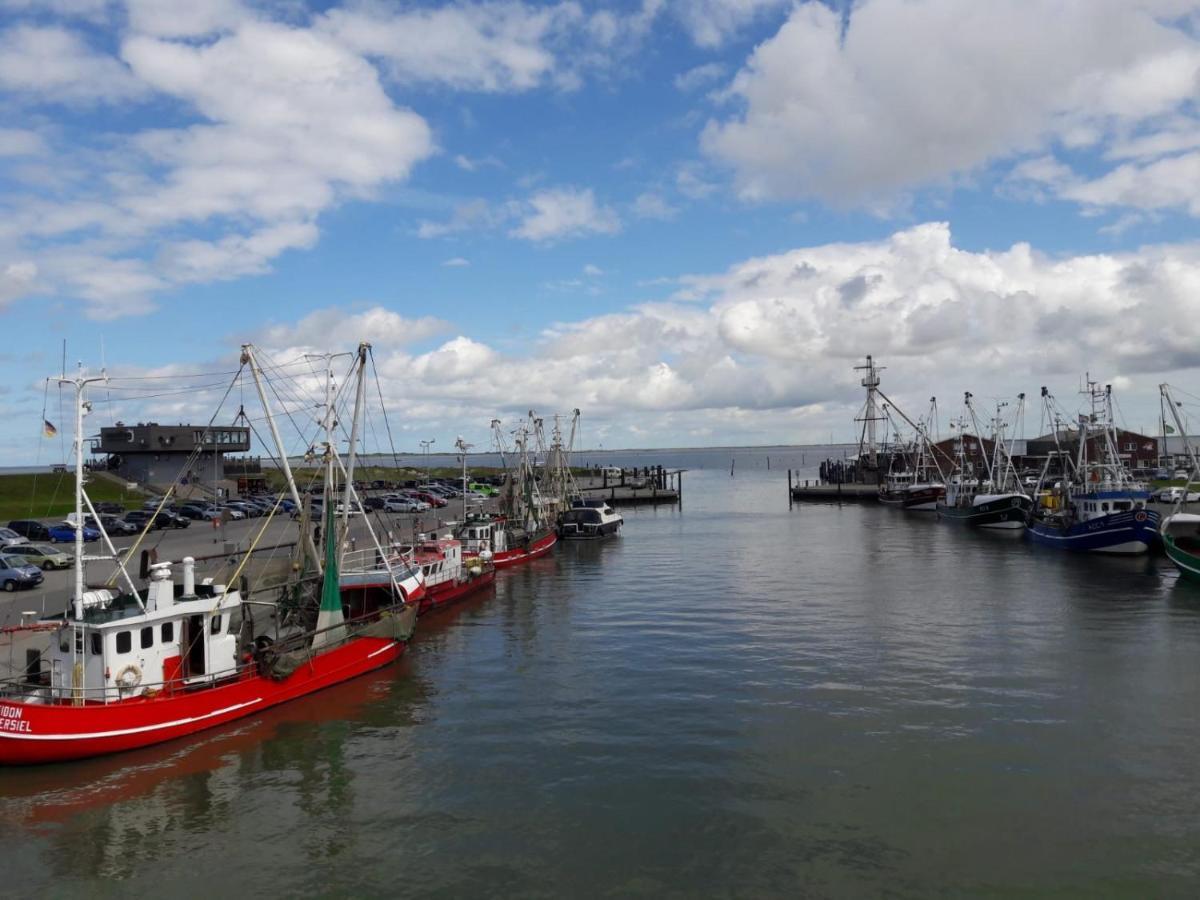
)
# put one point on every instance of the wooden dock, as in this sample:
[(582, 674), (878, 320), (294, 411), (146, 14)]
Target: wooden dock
[(647, 486), (826, 492)]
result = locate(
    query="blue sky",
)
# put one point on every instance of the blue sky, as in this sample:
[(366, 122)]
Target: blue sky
[(688, 219)]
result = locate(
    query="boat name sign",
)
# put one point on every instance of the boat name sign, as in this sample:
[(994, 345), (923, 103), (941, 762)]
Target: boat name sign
[(11, 719)]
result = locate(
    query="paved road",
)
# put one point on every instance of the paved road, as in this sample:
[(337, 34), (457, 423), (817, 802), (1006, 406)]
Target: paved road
[(217, 553)]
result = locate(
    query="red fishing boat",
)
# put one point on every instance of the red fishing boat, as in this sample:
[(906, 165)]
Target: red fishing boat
[(450, 575), (508, 544), (126, 669)]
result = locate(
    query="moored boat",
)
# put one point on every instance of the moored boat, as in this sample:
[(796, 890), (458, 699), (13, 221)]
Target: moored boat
[(589, 519), (450, 575), (136, 667), (1096, 506), (997, 501)]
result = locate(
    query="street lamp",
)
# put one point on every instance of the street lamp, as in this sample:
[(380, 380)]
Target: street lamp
[(425, 445)]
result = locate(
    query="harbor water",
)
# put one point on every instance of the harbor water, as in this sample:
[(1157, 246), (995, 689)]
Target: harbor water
[(733, 698)]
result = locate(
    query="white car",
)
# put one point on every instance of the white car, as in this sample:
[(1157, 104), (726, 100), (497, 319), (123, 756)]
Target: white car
[(234, 512), (9, 538), (401, 505)]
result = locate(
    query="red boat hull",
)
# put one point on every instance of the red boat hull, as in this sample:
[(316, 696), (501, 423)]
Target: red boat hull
[(540, 547), (438, 596), (38, 733)]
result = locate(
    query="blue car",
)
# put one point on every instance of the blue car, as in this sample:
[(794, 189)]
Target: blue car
[(63, 534), (18, 572)]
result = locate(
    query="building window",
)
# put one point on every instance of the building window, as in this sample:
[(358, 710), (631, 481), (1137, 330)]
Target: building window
[(216, 624), (147, 637), (168, 632), (124, 641)]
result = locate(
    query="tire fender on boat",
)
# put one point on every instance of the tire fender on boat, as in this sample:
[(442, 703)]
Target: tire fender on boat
[(130, 676)]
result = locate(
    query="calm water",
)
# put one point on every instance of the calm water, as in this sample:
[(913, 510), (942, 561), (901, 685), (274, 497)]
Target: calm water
[(732, 699)]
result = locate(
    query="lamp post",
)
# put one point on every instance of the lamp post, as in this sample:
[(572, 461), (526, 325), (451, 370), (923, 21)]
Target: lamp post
[(425, 445)]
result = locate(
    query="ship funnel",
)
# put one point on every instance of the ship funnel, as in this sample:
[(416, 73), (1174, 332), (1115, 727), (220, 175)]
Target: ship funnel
[(189, 576)]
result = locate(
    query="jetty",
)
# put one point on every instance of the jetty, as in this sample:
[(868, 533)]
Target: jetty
[(631, 487), (837, 492)]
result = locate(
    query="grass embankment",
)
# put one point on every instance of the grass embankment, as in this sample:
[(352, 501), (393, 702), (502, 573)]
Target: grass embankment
[(52, 495)]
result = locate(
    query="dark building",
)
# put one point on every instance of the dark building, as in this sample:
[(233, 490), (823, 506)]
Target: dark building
[(977, 454), (1137, 451), (153, 454)]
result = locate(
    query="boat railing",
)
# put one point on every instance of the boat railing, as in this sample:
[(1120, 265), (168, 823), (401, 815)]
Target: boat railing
[(358, 562), (39, 687)]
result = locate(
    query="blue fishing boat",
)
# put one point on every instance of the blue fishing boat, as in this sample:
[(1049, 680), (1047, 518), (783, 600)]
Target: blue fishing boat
[(1096, 506)]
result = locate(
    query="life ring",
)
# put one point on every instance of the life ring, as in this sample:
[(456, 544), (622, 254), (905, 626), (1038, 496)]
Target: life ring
[(1139, 516), (130, 676)]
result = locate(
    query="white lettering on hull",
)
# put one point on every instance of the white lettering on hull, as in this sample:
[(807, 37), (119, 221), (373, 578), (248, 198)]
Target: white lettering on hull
[(123, 731)]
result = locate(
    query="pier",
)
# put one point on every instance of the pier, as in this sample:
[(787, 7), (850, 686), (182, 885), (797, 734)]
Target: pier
[(650, 485), (823, 491)]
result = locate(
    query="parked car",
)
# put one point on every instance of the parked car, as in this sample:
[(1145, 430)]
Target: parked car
[(431, 499), (112, 524), (140, 517), (65, 534), (9, 538), (233, 511), (18, 572), (199, 513), (30, 529), (399, 505), (46, 557), (485, 489), (172, 519), (112, 509)]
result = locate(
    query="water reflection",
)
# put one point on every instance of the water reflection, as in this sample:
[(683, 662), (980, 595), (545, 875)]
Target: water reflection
[(735, 698)]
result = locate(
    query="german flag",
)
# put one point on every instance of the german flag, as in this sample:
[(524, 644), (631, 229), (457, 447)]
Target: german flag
[(48, 429)]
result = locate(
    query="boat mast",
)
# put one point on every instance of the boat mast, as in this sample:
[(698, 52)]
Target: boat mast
[(360, 388), (306, 537), (1164, 390), (462, 447), (82, 406), (870, 416)]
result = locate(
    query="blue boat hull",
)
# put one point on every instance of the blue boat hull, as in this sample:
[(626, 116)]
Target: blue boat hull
[(1132, 531)]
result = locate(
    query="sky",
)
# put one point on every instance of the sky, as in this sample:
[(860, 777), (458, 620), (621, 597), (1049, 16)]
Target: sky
[(688, 219)]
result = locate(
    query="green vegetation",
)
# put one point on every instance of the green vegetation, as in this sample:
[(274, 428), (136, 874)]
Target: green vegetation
[(52, 494)]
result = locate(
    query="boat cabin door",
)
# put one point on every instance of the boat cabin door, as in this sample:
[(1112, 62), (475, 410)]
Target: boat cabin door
[(192, 640)]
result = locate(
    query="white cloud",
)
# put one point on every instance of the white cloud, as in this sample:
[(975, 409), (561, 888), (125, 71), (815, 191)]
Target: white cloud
[(456, 262), (55, 65), (16, 279), (20, 142), (592, 270), (652, 205), (334, 327), (280, 124), (493, 46), (184, 18), (700, 76), (712, 22), (566, 212), (477, 213), (918, 92)]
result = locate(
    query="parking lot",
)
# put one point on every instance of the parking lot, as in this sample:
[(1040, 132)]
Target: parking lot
[(218, 551)]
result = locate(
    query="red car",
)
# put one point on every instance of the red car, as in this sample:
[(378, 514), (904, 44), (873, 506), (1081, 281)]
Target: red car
[(432, 499)]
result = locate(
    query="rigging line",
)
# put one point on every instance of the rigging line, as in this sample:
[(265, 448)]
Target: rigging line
[(223, 375), (267, 364), (167, 494), (383, 407)]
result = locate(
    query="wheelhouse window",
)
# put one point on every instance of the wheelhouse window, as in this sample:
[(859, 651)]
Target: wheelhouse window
[(124, 641), (216, 624), (147, 637), (168, 632), (97, 643)]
